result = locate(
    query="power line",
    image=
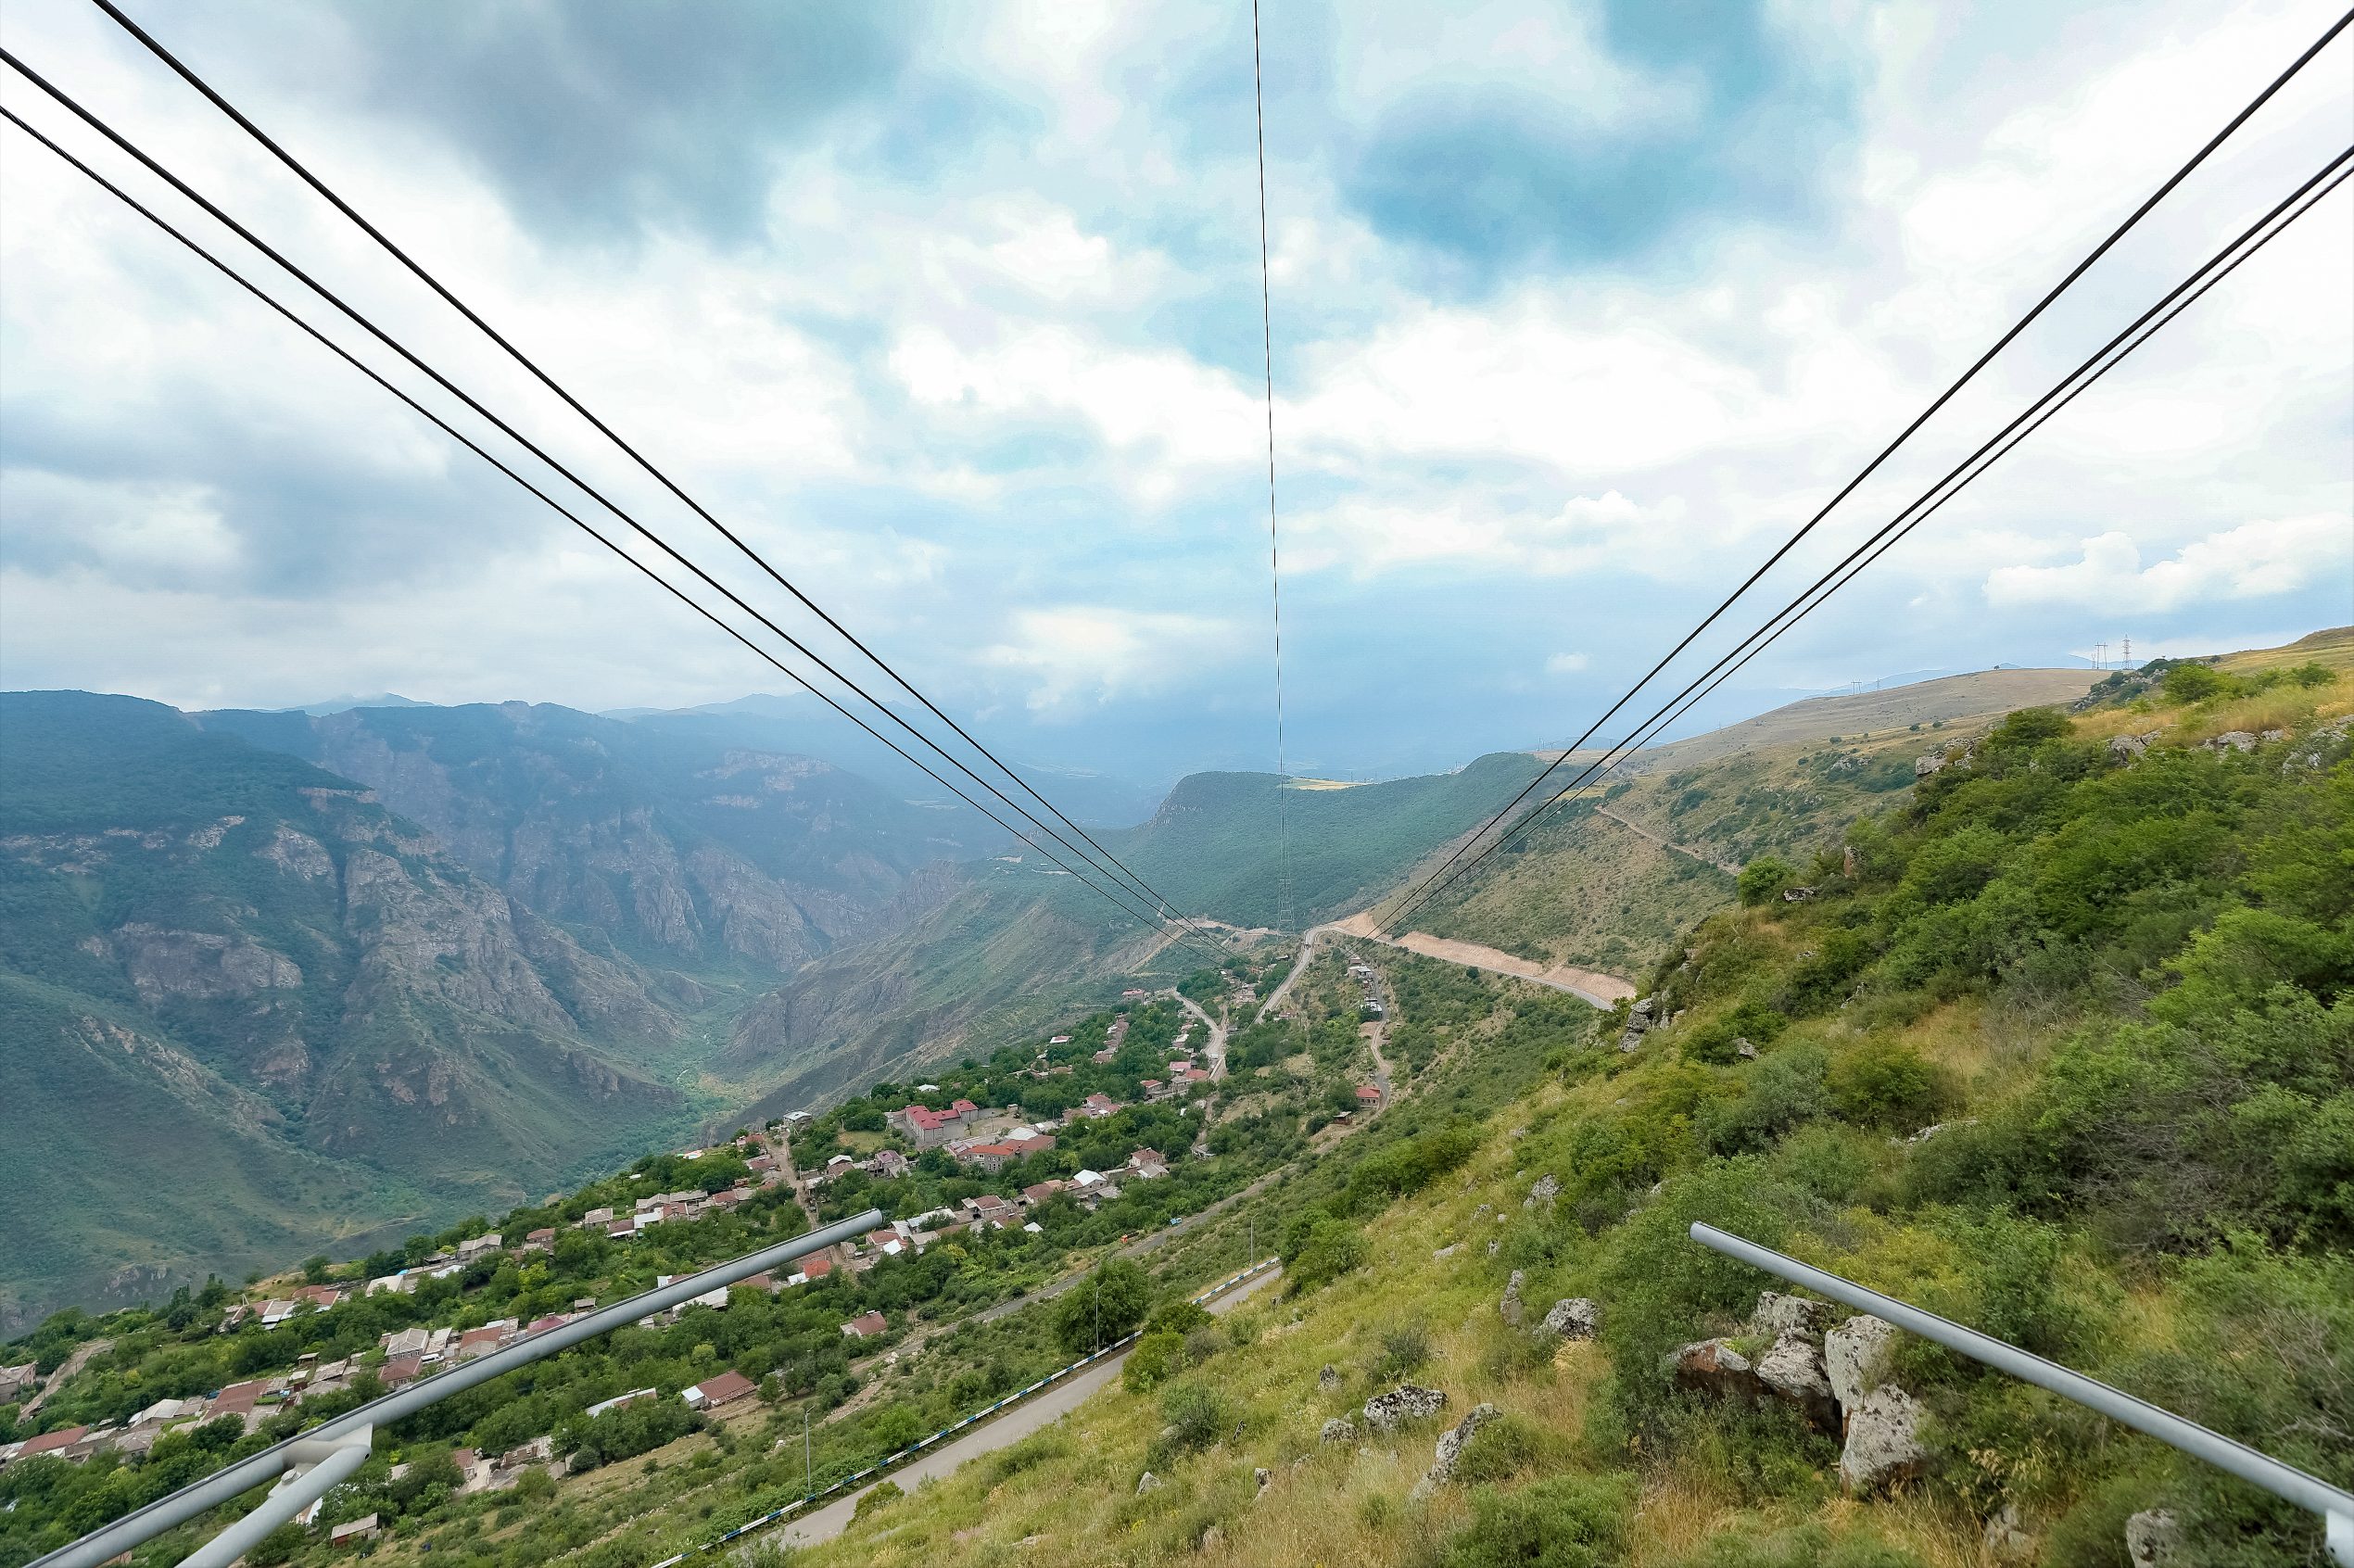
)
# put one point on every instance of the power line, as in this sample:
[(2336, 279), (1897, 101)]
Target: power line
[(212, 209), (189, 75), (1941, 399), (1285, 912), (471, 445), (2178, 299)]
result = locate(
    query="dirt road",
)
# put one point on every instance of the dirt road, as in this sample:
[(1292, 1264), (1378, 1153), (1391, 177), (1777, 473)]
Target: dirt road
[(1216, 1049), (1642, 832), (825, 1524)]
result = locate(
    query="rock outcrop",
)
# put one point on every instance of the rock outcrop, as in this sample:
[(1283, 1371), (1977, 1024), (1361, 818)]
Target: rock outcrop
[(1148, 1482), (1573, 1317), (1406, 1402), (1778, 1314), (1883, 1442), (1451, 1444), (1511, 1306), (1856, 1358), (2154, 1539), (1547, 1189), (1638, 1023), (1792, 1371), (1713, 1366), (1340, 1429)]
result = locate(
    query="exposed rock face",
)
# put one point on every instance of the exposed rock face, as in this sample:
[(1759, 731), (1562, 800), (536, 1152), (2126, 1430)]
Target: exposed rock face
[(1546, 1190), (1340, 1429), (2008, 1540), (1640, 1019), (1450, 1451), (1573, 1317), (2127, 749), (1779, 1314), (1387, 1413), (1510, 1305), (1713, 1366), (1883, 1443), (200, 965), (2154, 1539), (1793, 1370), (1856, 1358), (2232, 741)]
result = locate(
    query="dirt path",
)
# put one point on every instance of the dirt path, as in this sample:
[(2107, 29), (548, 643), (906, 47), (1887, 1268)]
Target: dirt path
[(72, 1364), (1642, 832), (1299, 966), (825, 1524), (1591, 985), (1216, 1049)]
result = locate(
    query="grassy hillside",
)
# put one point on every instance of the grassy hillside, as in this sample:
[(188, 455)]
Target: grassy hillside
[(2069, 1056)]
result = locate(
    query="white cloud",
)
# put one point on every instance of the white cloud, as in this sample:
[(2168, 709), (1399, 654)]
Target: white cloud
[(1074, 657), (2253, 560), (1567, 664)]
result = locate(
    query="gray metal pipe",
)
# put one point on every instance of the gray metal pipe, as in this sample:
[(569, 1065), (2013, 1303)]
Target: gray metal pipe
[(298, 1492), (2283, 1481), (180, 1507)]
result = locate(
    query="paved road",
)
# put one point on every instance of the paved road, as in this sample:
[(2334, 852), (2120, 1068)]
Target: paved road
[(1299, 966), (1216, 1049), (827, 1523)]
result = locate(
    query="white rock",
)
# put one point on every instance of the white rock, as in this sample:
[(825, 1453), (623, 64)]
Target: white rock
[(1340, 1429), (1856, 1358), (2154, 1538), (1573, 1317), (1883, 1441), (1387, 1413), (1450, 1451), (1778, 1314), (1793, 1370), (1510, 1305), (1147, 1483)]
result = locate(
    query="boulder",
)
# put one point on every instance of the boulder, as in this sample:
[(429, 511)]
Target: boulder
[(1792, 1371), (1573, 1317), (1387, 1413), (1638, 1023), (2007, 1538), (1778, 1314), (1450, 1451), (2154, 1538), (1264, 1476), (1744, 1049), (1713, 1366), (1883, 1441), (2127, 749), (1546, 1190), (1328, 1379), (1340, 1429), (1856, 1358), (1510, 1305), (2232, 741), (1148, 1482)]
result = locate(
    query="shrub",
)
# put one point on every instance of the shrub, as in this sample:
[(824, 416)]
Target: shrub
[(1784, 1091), (1762, 879), (1326, 1249), (1829, 1161), (1805, 1546), (1403, 1350), (1499, 1451), (1195, 1414), (876, 1497), (1158, 1358), (1887, 1084), (1566, 1521), (1103, 1306)]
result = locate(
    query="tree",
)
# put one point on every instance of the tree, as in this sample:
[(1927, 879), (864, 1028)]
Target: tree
[(314, 1269), (1103, 1306)]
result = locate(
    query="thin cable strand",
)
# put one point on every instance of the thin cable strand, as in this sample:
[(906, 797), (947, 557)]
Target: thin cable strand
[(2147, 325), (344, 354), (2077, 271), (189, 75), (213, 210), (1274, 550)]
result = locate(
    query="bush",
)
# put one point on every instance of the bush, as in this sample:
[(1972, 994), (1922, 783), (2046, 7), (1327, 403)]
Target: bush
[(1316, 1250), (1103, 1306), (1499, 1451), (1762, 879), (876, 1497), (1159, 1357), (1195, 1414), (1886, 1084), (1567, 1522), (1805, 1546), (1782, 1093), (1403, 1350)]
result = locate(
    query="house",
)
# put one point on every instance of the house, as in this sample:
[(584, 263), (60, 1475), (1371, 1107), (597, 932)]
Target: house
[(887, 1242), (1039, 1193), (18, 1380), (408, 1342), (320, 1296), (839, 1164), (238, 1399), (1195, 1075), (595, 1217), (890, 1162), (1098, 1105), (540, 1240), (1103, 1055), (1156, 1089), (866, 1325), (1059, 1040), (601, 1406), (813, 1269), (991, 1157), (991, 1210), (539, 1450), (717, 1298), (276, 1312), (399, 1370), (725, 1389), (163, 1411), (1368, 1097), (352, 1532), (51, 1442), (1147, 1164), (477, 1246), (761, 1164)]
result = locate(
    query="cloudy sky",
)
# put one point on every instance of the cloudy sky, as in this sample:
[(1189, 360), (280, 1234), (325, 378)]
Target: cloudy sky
[(953, 311)]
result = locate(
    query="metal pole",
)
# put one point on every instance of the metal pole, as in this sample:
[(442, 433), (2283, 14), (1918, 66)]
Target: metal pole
[(808, 1457), (178, 1508), (2283, 1481), (298, 1492)]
